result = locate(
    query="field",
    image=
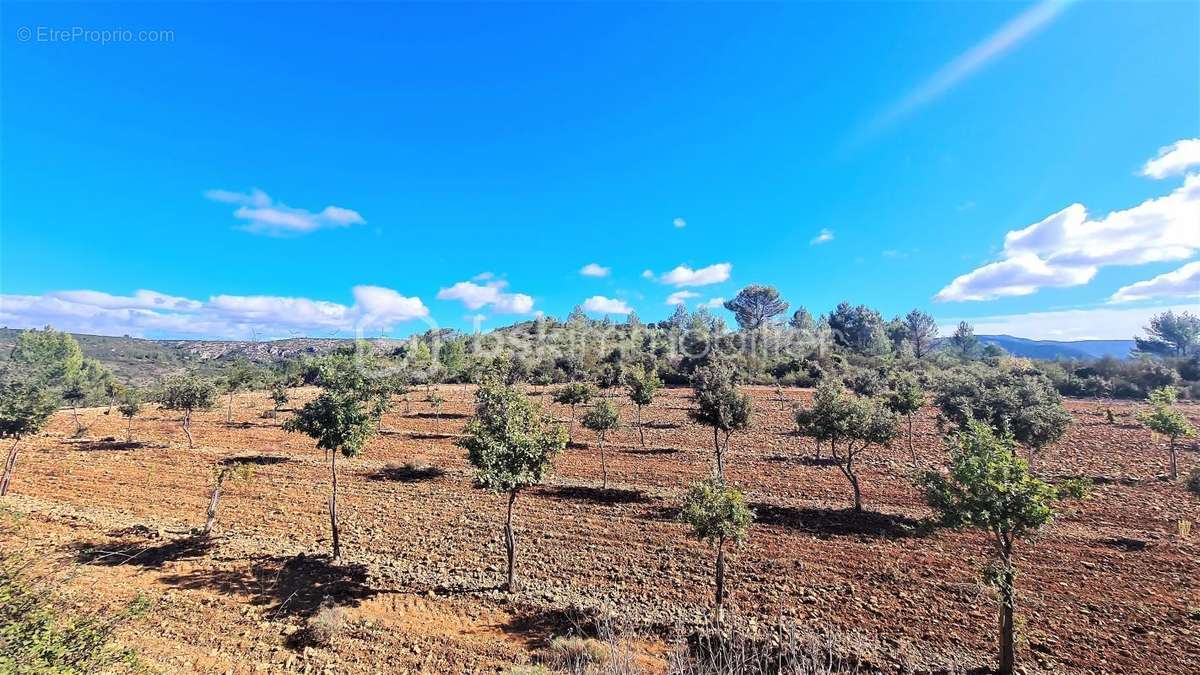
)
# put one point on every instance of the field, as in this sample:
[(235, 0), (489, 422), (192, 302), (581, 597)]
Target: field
[(1111, 586)]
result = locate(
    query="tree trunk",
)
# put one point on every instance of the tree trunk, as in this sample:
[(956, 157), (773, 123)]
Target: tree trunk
[(1174, 459), (1008, 596), (641, 429), (719, 468), (212, 503), (818, 457), (9, 464), (75, 415), (720, 580), (510, 544), (571, 426), (847, 468), (333, 524), (604, 462), (911, 451), (187, 427), (129, 430), (229, 415)]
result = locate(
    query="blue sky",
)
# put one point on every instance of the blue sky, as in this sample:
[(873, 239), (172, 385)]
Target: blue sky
[(277, 169)]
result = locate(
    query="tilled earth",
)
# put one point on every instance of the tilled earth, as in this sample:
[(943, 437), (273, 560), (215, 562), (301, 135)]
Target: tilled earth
[(1110, 586)]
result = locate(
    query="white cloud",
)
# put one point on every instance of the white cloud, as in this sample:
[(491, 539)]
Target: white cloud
[(1174, 159), (969, 62), (681, 297), (1104, 323), (262, 215), (679, 222), (1182, 283), (1067, 248), (647, 274), (602, 305), (490, 294), (482, 276), (223, 316), (714, 303), (686, 276), (825, 235), (595, 270)]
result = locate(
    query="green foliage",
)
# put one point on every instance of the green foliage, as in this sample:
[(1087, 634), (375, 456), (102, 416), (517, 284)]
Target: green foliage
[(186, 393), (920, 330), (754, 305), (40, 635), (719, 404), (1162, 418), (339, 423), (963, 342), (988, 486), (509, 441), (131, 403), (849, 423), (279, 394), (1171, 334), (1020, 403), (859, 329), (907, 395), (25, 406), (716, 511), (602, 418), (643, 384), (47, 356), (574, 393)]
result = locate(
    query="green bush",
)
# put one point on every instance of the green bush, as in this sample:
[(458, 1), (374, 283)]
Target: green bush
[(39, 635)]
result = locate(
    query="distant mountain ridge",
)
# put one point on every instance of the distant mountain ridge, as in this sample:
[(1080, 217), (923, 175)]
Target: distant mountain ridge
[(1054, 349), (144, 360)]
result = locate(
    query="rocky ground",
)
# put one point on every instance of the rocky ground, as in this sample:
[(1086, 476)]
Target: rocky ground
[(1111, 586)]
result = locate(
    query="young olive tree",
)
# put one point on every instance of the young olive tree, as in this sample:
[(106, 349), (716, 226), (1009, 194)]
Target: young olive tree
[(851, 425), (512, 445), (129, 407), (229, 468), (237, 377), (279, 395), (643, 385), (186, 394), (436, 401), (601, 419), (721, 406), (1163, 419), (341, 426), (906, 398), (718, 515), (989, 487), (25, 405), (574, 394)]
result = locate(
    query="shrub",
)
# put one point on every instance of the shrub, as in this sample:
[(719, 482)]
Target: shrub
[(718, 514), (1162, 418), (323, 627), (576, 654), (1193, 481)]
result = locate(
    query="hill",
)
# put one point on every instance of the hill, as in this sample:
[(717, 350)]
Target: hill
[(1053, 349)]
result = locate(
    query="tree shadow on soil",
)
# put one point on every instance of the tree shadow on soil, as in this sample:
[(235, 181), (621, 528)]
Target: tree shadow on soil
[(141, 552), (536, 627), (407, 473), (829, 523), (286, 586), (594, 495), (651, 451), (255, 460), (803, 461), (432, 416), (430, 436), (109, 445), (662, 425)]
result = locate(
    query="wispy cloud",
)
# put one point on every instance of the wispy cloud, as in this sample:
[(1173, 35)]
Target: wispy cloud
[(1101, 323), (1069, 247), (595, 270), (996, 45), (1181, 283), (679, 222), (1174, 159), (602, 305), (262, 215), (823, 237), (686, 276), (713, 303), (221, 316), (681, 297), (491, 294)]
